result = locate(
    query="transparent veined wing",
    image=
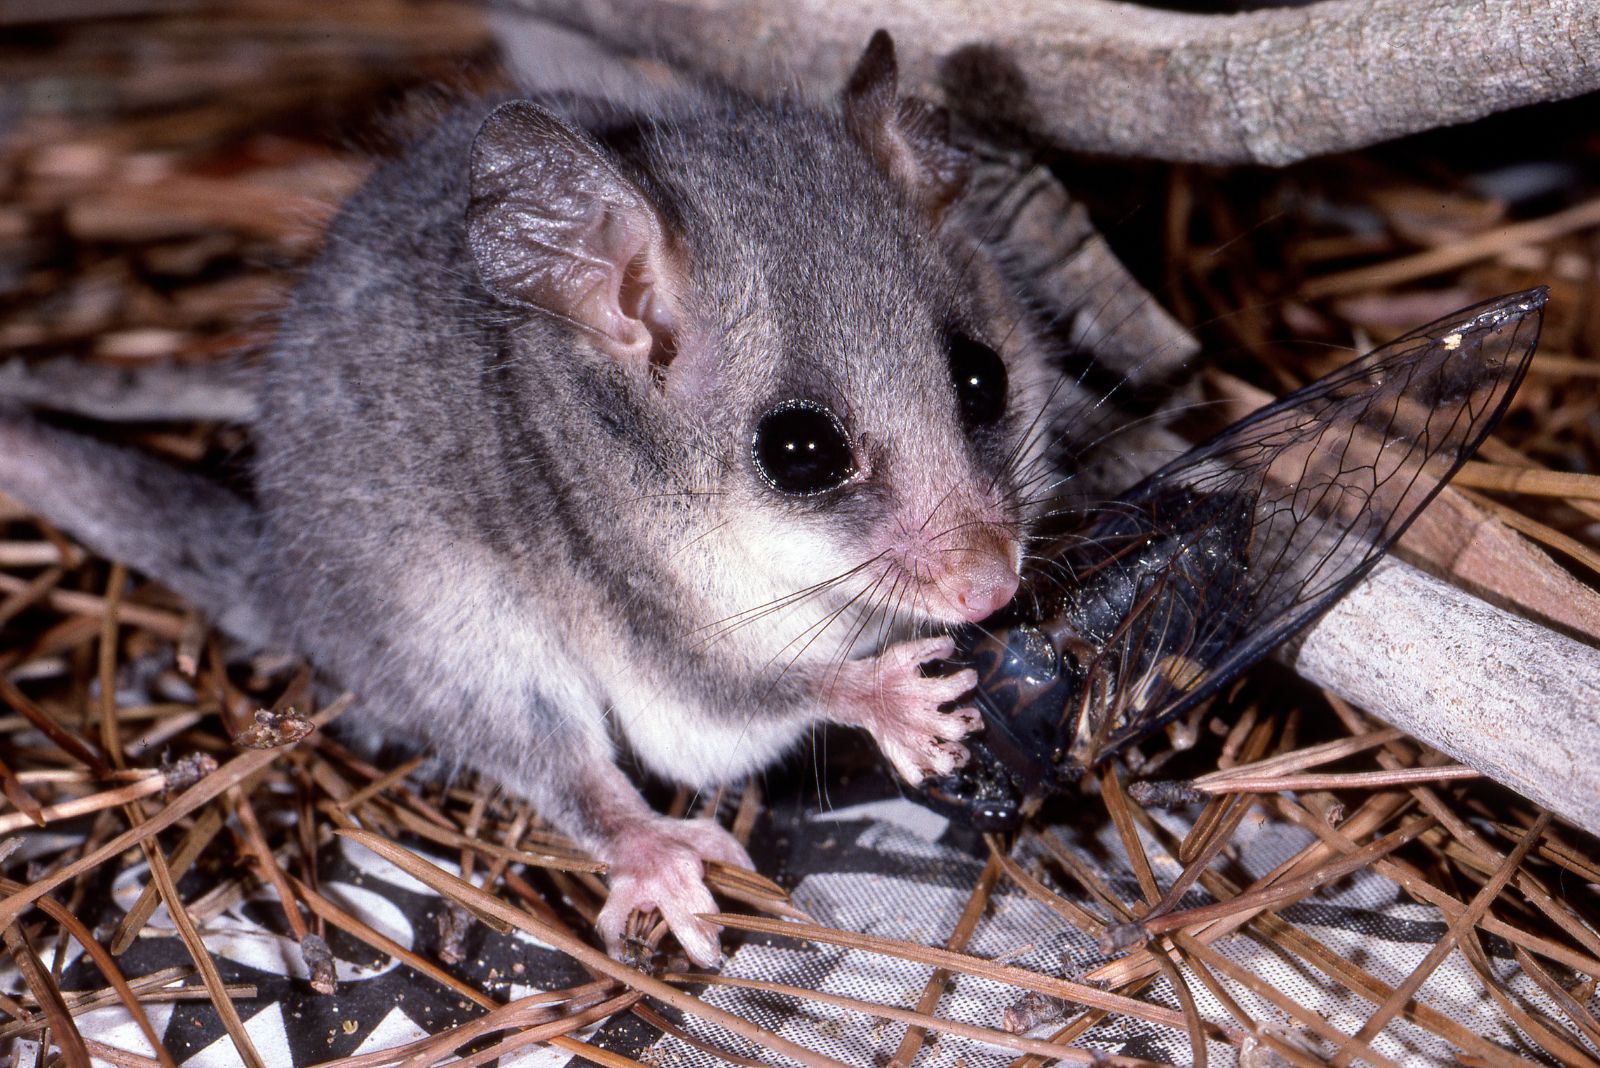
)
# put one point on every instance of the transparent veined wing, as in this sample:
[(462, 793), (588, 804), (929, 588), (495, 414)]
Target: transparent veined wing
[(1167, 592)]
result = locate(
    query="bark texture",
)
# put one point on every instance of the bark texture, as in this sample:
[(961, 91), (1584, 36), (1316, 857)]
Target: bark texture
[(1511, 698), (1269, 86)]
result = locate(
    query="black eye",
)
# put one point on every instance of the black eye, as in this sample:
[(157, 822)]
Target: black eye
[(980, 380), (800, 447)]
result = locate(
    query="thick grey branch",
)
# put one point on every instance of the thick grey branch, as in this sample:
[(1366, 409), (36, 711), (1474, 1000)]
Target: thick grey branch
[(1270, 86), (1044, 241), (152, 393), (1516, 701)]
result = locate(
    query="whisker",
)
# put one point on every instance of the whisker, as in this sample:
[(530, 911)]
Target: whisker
[(750, 615)]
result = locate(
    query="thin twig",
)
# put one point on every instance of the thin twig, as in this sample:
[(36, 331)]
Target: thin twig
[(933, 992), (920, 1021), (236, 770), (484, 905), (1474, 911), (1067, 990)]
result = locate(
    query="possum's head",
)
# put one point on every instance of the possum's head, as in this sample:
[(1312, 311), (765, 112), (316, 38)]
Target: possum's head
[(832, 389)]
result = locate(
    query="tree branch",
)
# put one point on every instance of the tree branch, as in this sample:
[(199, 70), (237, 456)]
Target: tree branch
[(1271, 86), (1516, 701), (154, 392)]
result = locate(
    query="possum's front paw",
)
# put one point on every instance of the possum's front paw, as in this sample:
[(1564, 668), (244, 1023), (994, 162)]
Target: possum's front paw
[(899, 706), (660, 864)]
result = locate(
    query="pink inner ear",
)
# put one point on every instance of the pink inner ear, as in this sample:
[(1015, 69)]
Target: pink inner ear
[(626, 305), (655, 314), (553, 224), (612, 247)]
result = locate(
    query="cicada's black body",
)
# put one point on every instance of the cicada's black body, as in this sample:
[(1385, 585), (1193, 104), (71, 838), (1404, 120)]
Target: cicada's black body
[(1166, 593)]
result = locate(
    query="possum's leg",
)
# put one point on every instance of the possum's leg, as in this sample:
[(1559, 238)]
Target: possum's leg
[(568, 772), (889, 698), (654, 862), (451, 648), (187, 532), (558, 757)]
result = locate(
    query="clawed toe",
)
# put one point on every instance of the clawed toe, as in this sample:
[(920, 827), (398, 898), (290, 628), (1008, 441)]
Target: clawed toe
[(710, 841), (956, 725), (902, 708), (913, 654), (661, 866), (944, 689), (679, 905)]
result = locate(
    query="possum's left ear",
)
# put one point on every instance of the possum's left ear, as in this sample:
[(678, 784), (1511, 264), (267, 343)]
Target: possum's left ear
[(908, 137)]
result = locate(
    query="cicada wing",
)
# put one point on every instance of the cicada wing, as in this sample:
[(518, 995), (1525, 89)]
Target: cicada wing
[(1204, 567)]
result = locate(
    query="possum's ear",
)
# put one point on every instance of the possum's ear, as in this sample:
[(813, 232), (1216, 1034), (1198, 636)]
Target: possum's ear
[(908, 137), (553, 224)]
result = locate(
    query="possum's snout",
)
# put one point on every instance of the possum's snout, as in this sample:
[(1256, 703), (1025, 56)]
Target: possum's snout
[(959, 566)]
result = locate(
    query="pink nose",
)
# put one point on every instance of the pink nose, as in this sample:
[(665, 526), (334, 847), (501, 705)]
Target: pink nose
[(984, 590)]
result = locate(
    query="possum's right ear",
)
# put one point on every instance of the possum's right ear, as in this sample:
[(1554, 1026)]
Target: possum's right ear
[(553, 224)]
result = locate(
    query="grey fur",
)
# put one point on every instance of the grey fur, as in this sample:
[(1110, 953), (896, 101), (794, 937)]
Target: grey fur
[(408, 414), (199, 537), (495, 535)]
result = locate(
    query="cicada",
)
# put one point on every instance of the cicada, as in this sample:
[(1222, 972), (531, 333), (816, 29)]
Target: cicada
[(1165, 594)]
